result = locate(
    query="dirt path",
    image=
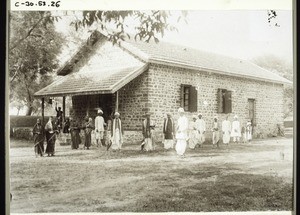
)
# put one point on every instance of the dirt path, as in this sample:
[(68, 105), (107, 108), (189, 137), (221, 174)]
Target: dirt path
[(90, 180)]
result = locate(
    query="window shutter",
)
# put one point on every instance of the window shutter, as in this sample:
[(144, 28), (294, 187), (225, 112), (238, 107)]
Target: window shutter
[(193, 101), (228, 103), (220, 101), (182, 95)]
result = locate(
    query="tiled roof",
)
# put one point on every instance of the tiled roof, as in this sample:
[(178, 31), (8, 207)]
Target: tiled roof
[(95, 82), (177, 55), (106, 68)]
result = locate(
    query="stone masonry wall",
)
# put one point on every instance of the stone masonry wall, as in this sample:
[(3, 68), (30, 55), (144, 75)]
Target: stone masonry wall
[(133, 102), (164, 97), (158, 91)]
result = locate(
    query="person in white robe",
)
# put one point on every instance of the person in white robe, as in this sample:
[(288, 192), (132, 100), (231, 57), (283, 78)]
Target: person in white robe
[(182, 133), (169, 131), (216, 132), (236, 130), (116, 133), (201, 127), (148, 127), (226, 129), (99, 128), (193, 133)]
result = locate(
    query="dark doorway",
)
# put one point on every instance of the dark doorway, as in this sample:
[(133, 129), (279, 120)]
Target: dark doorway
[(251, 105), (106, 104)]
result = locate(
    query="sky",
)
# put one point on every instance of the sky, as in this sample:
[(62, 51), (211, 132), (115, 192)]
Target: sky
[(241, 34)]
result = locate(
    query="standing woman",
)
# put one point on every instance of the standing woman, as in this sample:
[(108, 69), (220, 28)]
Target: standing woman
[(38, 136), (89, 126), (182, 133), (116, 133), (51, 131), (75, 137)]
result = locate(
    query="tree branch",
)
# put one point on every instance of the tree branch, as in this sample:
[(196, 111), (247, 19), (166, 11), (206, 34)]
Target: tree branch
[(27, 35), (16, 73)]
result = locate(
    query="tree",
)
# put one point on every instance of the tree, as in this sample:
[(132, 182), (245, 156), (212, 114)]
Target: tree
[(284, 69), (33, 47), (148, 24), (34, 44)]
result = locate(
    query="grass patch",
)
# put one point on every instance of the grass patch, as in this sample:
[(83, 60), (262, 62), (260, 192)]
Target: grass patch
[(235, 192)]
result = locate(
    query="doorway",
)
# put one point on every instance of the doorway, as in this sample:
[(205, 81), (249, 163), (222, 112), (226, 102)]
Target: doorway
[(251, 107)]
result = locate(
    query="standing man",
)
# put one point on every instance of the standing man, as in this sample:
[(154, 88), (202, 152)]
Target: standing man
[(59, 115), (116, 133), (216, 130), (182, 133), (50, 129), (193, 133), (148, 127), (201, 127), (226, 129), (236, 130), (99, 128), (168, 131)]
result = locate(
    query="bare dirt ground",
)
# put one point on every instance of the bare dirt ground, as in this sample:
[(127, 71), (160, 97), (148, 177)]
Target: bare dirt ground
[(235, 178)]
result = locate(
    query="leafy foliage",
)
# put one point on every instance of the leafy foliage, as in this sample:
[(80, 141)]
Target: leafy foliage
[(148, 24), (33, 47)]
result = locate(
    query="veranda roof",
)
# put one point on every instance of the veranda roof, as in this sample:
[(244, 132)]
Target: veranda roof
[(94, 82)]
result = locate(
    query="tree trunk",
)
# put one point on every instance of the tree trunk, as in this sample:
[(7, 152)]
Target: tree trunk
[(29, 110)]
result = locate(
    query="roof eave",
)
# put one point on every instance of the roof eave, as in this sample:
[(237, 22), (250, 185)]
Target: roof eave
[(125, 80), (194, 67), (74, 93)]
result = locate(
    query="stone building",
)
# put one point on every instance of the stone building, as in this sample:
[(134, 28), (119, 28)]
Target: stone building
[(136, 77)]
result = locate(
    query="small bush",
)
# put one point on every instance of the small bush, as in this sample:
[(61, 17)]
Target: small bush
[(23, 133)]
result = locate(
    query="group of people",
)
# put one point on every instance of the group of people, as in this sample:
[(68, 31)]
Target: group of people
[(193, 134), (110, 134), (114, 136)]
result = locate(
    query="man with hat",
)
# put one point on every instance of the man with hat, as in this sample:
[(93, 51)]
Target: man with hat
[(148, 127), (168, 130), (116, 132), (193, 133), (216, 130), (99, 128), (201, 128), (236, 130), (182, 133)]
